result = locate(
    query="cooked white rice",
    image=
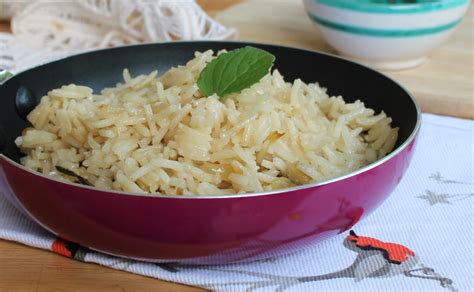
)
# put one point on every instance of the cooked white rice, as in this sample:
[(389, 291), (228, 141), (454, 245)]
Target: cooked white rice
[(154, 134)]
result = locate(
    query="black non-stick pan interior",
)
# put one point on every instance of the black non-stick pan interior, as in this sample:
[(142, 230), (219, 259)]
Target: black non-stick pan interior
[(103, 68)]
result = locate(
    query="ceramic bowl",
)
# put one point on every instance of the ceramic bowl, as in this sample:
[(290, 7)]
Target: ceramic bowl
[(202, 229), (386, 34)]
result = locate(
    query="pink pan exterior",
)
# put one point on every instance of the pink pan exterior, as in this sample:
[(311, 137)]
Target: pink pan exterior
[(202, 230)]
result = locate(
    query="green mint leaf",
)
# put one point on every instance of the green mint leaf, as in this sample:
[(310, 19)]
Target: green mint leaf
[(234, 71)]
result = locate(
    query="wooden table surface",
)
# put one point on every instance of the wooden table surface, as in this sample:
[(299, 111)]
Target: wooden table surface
[(444, 85)]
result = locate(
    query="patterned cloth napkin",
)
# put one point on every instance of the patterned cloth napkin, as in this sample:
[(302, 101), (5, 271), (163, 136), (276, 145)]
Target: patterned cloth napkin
[(426, 226)]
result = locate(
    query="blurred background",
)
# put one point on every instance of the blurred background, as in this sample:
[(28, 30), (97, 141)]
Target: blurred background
[(442, 84)]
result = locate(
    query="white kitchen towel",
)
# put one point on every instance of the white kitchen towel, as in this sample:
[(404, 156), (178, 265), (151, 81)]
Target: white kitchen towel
[(430, 214)]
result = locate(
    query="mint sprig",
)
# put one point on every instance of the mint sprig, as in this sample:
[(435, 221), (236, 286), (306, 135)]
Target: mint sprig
[(234, 71)]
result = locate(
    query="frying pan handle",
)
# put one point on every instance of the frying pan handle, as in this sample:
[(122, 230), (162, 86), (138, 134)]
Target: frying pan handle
[(4, 75)]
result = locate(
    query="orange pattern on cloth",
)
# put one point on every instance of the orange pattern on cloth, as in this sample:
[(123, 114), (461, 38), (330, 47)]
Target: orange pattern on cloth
[(396, 253), (59, 246)]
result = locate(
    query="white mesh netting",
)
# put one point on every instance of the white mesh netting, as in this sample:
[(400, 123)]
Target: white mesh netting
[(45, 29)]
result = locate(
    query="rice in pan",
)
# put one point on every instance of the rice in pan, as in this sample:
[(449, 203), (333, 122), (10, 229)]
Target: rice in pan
[(154, 134)]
